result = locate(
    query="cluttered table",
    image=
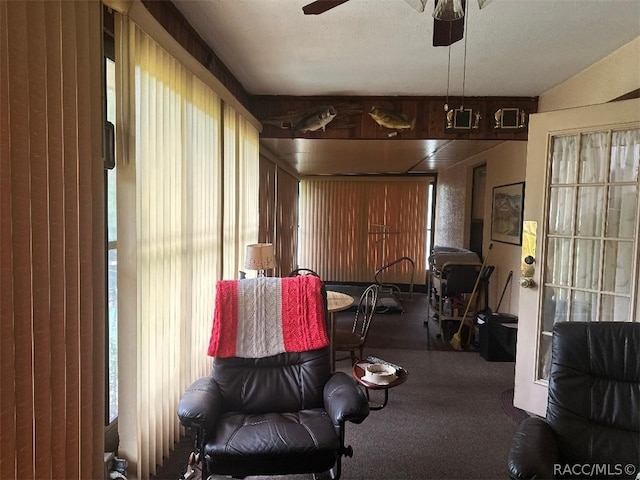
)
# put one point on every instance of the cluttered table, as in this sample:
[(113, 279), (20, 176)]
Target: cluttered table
[(396, 375)]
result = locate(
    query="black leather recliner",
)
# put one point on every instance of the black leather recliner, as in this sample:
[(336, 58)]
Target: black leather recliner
[(592, 427), (277, 415), (272, 416)]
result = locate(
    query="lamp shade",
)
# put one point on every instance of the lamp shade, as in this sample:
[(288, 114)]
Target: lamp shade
[(260, 256), (448, 10)]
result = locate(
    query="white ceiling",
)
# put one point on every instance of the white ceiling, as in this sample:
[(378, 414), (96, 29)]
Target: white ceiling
[(384, 47)]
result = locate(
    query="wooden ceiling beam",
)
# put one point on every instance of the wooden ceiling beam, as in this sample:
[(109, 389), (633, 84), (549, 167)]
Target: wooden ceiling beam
[(353, 121)]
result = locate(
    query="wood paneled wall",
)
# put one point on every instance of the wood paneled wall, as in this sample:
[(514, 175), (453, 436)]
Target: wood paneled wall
[(353, 120)]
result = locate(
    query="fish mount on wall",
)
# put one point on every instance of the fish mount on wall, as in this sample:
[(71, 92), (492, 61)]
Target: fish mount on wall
[(388, 118), (315, 119), (309, 121), (298, 122)]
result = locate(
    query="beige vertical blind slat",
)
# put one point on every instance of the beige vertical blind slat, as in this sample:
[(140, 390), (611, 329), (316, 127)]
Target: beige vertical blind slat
[(54, 78), (39, 232), (127, 255), (230, 206), (91, 230), (21, 230), (240, 187), (52, 227), (72, 245), (7, 358), (97, 346), (279, 214), (205, 222), (267, 203), (286, 226), (249, 185)]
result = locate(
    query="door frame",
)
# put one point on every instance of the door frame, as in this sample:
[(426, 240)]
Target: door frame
[(530, 394)]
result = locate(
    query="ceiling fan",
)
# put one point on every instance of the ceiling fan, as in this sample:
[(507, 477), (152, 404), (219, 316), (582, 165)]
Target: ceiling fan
[(445, 32)]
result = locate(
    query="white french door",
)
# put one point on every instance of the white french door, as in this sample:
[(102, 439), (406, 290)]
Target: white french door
[(582, 186)]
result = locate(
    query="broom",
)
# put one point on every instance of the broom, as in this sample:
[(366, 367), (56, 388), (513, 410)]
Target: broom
[(456, 340)]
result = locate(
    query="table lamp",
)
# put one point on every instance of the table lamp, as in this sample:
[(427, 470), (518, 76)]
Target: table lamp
[(260, 257)]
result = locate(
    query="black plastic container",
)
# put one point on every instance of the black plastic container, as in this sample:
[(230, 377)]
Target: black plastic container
[(498, 335)]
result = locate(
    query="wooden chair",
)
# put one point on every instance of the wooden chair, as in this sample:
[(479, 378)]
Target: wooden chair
[(303, 271), (355, 339)]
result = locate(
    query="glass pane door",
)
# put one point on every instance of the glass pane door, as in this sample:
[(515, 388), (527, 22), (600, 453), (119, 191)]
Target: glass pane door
[(592, 231)]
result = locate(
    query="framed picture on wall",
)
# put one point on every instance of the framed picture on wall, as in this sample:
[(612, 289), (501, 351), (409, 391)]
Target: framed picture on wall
[(506, 213)]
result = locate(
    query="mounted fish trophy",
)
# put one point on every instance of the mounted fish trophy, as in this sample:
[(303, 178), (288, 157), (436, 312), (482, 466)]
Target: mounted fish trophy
[(392, 120), (314, 119)]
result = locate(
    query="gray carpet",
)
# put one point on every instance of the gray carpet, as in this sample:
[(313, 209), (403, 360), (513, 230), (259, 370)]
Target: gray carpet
[(416, 328), (388, 302), (445, 422)]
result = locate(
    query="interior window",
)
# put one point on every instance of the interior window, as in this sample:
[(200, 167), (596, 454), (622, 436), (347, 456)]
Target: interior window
[(112, 260)]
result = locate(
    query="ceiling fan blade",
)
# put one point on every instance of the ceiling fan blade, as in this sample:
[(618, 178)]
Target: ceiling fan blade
[(321, 6), (418, 5), (448, 33), (441, 35)]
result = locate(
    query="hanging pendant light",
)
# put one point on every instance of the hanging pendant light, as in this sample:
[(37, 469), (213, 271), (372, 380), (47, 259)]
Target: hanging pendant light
[(448, 10), (464, 61)]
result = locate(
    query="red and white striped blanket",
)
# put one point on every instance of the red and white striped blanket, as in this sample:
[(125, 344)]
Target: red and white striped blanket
[(261, 317)]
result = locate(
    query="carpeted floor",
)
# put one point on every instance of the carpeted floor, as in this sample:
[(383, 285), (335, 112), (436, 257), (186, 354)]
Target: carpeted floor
[(413, 327), (516, 414), (445, 422), (387, 302), (452, 419)]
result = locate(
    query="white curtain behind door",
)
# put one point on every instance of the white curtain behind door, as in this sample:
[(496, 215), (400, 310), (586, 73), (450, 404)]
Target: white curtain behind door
[(592, 229)]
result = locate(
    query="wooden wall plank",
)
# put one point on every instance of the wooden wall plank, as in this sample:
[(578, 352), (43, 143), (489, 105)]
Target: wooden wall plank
[(354, 122)]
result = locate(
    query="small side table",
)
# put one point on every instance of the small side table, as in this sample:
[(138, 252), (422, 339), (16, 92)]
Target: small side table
[(358, 372)]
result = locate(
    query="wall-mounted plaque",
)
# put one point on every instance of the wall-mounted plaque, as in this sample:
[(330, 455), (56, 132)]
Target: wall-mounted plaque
[(510, 118), (461, 118)]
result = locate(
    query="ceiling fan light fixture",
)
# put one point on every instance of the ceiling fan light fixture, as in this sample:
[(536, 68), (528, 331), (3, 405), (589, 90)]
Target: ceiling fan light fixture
[(417, 5), (448, 10)]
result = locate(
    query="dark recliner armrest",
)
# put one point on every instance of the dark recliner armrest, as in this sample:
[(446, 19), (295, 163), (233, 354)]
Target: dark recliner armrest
[(344, 400), (533, 450), (200, 404)]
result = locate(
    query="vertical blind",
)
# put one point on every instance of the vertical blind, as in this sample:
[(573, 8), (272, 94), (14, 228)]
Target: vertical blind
[(286, 221), (351, 228), (241, 185), (187, 206), (267, 201), (279, 214), (52, 240)]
